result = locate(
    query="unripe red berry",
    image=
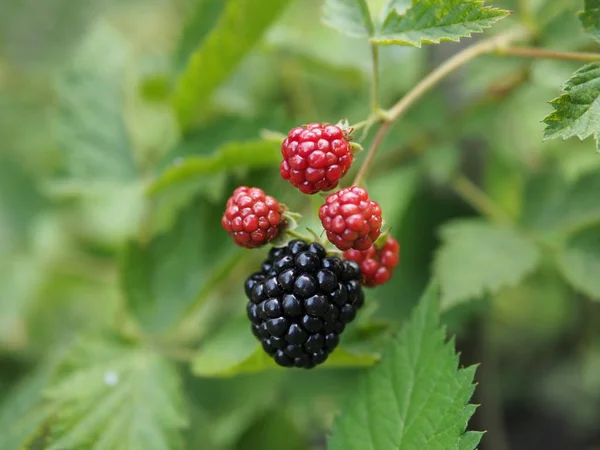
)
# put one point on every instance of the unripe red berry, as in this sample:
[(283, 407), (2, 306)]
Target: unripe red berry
[(377, 264), (315, 157), (252, 218), (351, 219)]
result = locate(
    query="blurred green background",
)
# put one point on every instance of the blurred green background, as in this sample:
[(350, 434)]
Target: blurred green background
[(87, 125)]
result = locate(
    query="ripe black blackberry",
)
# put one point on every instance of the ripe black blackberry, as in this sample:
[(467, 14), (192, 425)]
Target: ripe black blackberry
[(300, 302)]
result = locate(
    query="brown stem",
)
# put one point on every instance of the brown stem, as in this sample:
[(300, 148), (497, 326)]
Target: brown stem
[(486, 46), (528, 52)]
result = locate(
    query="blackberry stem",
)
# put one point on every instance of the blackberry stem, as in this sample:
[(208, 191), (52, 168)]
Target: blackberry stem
[(491, 45), (548, 54)]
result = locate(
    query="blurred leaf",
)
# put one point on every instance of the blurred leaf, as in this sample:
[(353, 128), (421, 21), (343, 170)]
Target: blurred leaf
[(20, 279), (504, 184), (203, 16), (250, 154), (539, 309), (416, 397), (440, 162), (577, 110), (433, 21), (90, 126), (20, 204), (234, 350), (552, 205), (270, 431), (580, 207), (394, 191), (351, 17), (164, 277), (590, 18), (580, 262), (22, 412), (118, 396), (477, 257), (240, 26), (58, 26)]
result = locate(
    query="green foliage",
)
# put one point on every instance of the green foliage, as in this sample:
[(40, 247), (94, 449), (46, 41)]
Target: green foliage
[(22, 413), (250, 154), (20, 203), (240, 26), (580, 262), (111, 394), (234, 350), (416, 397), (164, 277), (553, 206), (127, 124), (90, 124), (477, 258), (577, 110), (351, 17), (590, 18), (431, 21), (59, 25), (270, 431)]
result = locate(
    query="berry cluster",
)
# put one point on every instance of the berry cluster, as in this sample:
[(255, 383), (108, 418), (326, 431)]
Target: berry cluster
[(302, 298), (377, 264), (300, 302)]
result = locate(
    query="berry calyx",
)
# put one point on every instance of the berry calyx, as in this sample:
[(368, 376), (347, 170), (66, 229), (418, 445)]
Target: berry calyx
[(377, 264), (351, 219), (300, 302), (315, 157), (252, 218)]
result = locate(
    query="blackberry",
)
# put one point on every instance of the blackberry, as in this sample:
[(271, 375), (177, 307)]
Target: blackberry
[(301, 301)]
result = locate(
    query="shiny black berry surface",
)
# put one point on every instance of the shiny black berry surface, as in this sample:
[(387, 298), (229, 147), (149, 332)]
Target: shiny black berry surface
[(301, 301)]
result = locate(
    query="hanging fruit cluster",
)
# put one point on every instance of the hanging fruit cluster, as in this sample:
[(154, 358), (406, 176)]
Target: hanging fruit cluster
[(307, 291)]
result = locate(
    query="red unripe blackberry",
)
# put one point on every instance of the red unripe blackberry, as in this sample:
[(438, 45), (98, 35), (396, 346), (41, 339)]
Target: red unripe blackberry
[(315, 157), (351, 219), (301, 301), (377, 264), (252, 218)]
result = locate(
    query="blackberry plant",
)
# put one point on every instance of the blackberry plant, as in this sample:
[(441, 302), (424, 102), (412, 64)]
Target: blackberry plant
[(188, 221)]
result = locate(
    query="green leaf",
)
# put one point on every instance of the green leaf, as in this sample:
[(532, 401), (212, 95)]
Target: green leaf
[(234, 350), (577, 110), (90, 126), (240, 26), (399, 5), (579, 207), (164, 277), (553, 206), (350, 17), (394, 191), (270, 431), (433, 21), (203, 15), (113, 395), (59, 25), (22, 412), (250, 154), (415, 398), (590, 18), (20, 204), (477, 257), (579, 262)]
